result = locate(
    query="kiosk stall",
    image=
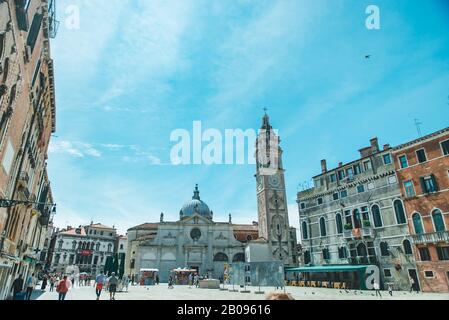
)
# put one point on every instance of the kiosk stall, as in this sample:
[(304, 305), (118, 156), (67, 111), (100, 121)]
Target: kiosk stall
[(147, 277)]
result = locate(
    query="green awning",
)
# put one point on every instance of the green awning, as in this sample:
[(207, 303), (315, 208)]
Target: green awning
[(334, 268)]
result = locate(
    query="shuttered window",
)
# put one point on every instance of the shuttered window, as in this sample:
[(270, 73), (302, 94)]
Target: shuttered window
[(34, 31)]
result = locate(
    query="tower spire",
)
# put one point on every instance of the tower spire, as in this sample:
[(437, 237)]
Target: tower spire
[(266, 121)]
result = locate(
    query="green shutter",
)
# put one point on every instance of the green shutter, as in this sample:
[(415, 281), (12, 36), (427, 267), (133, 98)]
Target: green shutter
[(423, 185), (34, 30), (434, 180)]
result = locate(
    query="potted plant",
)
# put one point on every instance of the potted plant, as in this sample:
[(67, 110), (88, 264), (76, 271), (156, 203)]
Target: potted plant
[(348, 226), (366, 223)]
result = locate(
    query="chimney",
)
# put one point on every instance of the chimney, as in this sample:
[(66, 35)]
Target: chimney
[(69, 228), (323, 166), (386, 146), (340, 164), (374, 145)]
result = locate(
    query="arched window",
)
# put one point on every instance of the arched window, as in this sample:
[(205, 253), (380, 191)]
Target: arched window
[(322, 227), (399, 211), (361, 250), (80, 245), (220, 256), (306, 257), (356, 218), (438, 221), (342, 252), (407, 247), (60, 243), (97, 247), (384, 252), (109, 247), (239, 257), (304, 230), (375, 210), (339, 223), (73, 245), (417, 223)]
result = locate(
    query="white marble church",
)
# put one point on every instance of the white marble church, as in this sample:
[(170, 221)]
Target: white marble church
[(195, 241)]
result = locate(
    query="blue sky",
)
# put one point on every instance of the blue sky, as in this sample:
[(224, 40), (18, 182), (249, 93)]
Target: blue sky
[(134, 71)]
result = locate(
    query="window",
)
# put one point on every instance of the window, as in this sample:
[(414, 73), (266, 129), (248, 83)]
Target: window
[(333, 177), (317, 183), (97, 246), (357, 219), (399, 212), (392, 179), (387, 158), (387, 272), (304, 230), (339, 223), (438, 221), (34, 30), (335, 196), (303, 205), (445, 147), (424, 254), (344, 194), (417, 223), (341, 174), (384, 252), (407, 247), (350, 173), (371, 186), (326, 254), (409, 189), (342, 252), (428, 274), (73, 245), (367, 165), (101, 233), (348, 218), (109, 247), (443, 253), (306, 257), (60, 243), (357, 169), (360, 188), (320, 201), (421, 155), (429, 184), (322, 227), (8, 157), (403, 161), (375, 210)]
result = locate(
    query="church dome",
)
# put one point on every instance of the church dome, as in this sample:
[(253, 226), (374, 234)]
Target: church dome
[(196, 205)]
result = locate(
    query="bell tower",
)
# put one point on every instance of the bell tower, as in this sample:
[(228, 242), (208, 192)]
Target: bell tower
[(271, 195)]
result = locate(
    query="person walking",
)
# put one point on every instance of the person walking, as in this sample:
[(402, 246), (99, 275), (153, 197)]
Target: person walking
[(31, 284), (126, 282), (377, 289), (157, 279), (17, 286), (170, 282), (190, 280), (112, 286), (52, 283), (390, 289), (44, 283), (99, 283), (412, 284), (62, 288)]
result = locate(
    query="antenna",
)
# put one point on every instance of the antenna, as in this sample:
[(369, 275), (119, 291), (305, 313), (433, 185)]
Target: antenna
[(418, 127)]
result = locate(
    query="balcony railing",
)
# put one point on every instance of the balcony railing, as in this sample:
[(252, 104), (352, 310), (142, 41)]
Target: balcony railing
[(434, 237), (358, 233)]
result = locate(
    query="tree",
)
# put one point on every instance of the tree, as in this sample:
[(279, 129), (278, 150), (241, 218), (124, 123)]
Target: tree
[(115, 264), (121, 269)]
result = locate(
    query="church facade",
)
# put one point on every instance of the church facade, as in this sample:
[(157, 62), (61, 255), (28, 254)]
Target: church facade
[(198, 242)]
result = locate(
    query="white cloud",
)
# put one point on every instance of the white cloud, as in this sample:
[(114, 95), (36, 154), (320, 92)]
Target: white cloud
[(75, 149)]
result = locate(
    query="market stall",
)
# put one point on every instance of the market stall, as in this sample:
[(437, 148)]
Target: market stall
[(147, 276), (182, 275)]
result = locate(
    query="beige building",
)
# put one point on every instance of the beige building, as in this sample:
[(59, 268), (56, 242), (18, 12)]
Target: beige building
[(27, 120)]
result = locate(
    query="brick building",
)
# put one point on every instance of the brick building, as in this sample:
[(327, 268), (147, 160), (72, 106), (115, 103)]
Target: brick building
[(27, 120), (422, 167)]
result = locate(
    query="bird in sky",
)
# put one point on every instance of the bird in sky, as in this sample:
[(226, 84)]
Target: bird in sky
[(367, 56)]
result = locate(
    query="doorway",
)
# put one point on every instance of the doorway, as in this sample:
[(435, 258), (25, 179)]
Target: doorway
[(413, 274)]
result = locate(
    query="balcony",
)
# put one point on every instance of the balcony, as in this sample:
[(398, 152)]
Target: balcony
[(434, 237), (24, 179), (358, 233)]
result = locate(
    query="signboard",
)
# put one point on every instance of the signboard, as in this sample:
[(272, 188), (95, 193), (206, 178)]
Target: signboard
[(86, 252)]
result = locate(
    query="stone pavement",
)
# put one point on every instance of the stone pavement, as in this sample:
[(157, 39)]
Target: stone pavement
[(162, 292)]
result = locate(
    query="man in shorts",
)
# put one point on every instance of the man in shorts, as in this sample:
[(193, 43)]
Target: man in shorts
[(99, 283), (112, 285)]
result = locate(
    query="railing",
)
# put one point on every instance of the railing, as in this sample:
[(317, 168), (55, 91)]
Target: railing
[(24, 177), (434, 237), (368, 232), (347, 234), (358, 233)]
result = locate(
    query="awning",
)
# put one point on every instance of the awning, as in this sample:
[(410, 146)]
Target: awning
[(334, 268)]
